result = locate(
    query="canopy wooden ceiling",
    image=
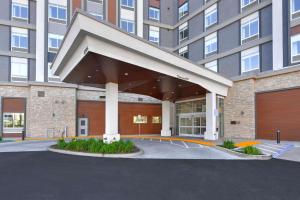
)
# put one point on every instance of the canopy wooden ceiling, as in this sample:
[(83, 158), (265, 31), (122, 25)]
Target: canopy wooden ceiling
[(96, 70)]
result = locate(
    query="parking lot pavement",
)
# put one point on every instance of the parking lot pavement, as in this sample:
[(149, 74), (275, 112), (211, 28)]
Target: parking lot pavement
[(293, 155), (52, 176), (179, 150), (25, 146), (152, 149)]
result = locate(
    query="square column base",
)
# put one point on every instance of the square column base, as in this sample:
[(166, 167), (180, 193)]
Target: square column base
[(211, 136), (165, 133), (110, 138)]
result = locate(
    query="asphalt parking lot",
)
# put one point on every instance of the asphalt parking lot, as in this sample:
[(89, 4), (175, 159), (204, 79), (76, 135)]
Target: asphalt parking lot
[(47, 175)]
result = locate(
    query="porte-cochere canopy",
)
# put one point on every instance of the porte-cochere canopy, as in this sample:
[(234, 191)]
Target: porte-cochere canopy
[(95, 53)]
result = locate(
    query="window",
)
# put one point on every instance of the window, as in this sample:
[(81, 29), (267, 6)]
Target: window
[(250, 59), (13, 120), (19, 39), (19, 9), (128, 25), (127, 3), (211, 16), (245, 3), (295, 8), (156, 120), (183, 10), (139, 119), (183, 32), (154, 13), (154, 34), (295, 48), (58, 13), (19, 69), (184, 52), (54, 42), (98, 16), (212, 66), (95, 8), (250, 27), (211, 44), (51, 76)]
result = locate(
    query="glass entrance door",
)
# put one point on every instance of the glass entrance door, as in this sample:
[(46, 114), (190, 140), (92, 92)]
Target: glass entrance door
[(193, 125), (186, 125)]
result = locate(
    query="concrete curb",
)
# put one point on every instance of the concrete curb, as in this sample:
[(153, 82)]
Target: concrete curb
[(242, 155), (100, 155)]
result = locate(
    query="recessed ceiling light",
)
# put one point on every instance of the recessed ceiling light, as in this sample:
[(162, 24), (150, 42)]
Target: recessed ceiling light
[(173, 92), (89, 76), (179, 85), (126, 74), (158, 80)]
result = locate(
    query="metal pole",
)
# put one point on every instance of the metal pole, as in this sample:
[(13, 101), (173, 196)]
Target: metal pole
[(278, 136), (23, 134), (139, 129)]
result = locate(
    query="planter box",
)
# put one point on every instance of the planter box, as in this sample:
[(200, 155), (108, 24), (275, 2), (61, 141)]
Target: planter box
[(242, 155), (75, 153)]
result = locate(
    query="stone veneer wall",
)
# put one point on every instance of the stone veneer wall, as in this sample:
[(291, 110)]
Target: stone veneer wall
[(239, 107), (49, 115), (240, 102), (93, 94)]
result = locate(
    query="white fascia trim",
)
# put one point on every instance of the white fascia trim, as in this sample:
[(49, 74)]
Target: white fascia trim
[(122, 46)]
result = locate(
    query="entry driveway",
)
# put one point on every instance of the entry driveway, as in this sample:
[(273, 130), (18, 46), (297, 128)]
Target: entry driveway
[(25, 146), (51, 176), (152, 149)]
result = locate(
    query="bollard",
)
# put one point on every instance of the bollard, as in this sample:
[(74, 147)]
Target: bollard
[(278, 136), (23, 134)]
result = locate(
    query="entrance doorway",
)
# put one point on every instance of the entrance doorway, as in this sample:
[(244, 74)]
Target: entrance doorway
[(83, 126), (193, 125)]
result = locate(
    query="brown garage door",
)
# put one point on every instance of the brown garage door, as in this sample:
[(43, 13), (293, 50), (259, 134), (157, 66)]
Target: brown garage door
[(278, 110)]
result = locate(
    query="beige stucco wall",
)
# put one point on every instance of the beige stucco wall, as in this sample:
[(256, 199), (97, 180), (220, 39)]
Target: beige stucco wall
[(240, 102)]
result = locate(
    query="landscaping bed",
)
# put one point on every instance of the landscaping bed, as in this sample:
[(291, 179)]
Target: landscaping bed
[(96, 148), (250, 152)]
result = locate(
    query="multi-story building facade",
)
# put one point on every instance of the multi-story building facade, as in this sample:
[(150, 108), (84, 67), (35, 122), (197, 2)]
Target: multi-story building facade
[(239, 39), (233, 37)]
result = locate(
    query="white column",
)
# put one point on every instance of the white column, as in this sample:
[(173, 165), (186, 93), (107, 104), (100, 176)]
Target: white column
[(139, 18), (211, 117), (111, 114), (277, 22), (166, 119), (40, 40)]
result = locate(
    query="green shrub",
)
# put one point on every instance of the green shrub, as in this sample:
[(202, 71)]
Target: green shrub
[(251, 150), (228, 144), (96, 146), (0, 139), (61, 144)]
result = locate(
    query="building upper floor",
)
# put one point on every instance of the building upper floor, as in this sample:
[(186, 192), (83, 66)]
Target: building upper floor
[(231, 37)]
